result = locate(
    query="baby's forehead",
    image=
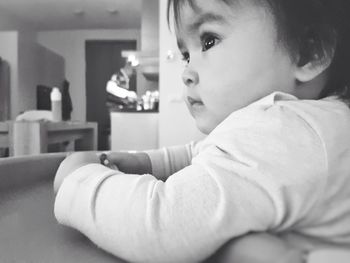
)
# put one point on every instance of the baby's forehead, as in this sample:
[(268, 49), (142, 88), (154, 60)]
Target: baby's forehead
[(183, 9), (190, 14)]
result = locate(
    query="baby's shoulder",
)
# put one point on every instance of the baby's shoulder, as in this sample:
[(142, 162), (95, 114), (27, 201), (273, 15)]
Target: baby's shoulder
[(327, 110), (285, 111), (328, 117), (283, 120)]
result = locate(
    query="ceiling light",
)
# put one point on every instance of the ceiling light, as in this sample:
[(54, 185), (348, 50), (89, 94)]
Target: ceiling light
[(112, 11)]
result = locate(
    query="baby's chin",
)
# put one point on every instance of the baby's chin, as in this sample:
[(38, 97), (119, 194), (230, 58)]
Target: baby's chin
[(205, 127), (205, 120)]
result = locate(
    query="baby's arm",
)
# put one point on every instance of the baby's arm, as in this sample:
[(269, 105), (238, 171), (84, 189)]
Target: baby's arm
[(252, 248), (161, 163), (73, 162), (131, 163), (234, 186)]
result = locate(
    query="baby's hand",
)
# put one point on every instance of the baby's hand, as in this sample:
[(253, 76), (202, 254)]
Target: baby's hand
[(131, 163), (73, 162), (105, 160)]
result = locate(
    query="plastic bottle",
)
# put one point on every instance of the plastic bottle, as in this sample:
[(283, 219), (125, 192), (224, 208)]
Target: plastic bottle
[(56, 104)]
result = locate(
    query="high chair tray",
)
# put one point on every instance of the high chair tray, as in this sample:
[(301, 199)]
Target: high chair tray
[(29, 232)]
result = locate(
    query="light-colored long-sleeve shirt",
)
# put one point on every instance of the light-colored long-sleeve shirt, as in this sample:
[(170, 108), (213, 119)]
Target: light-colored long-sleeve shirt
[(280, 165)]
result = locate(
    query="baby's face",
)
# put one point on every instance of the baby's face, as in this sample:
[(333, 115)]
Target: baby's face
[(234, 59)]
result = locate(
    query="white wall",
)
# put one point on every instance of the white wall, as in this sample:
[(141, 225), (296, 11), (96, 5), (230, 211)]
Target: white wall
[(9, 52), (9, 22), (18, 47), (50, 66), (26, 60), (150, 25), (71, 45), (176, 126), (25, 94), (149, 40)]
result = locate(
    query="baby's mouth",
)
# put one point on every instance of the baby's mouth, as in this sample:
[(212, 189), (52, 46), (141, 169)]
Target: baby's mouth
[(194, 102)]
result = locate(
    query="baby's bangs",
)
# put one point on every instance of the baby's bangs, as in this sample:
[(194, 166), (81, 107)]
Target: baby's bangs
[(176, 5)]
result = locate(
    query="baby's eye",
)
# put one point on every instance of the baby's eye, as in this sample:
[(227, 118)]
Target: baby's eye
[(185, 56), (208, 41)]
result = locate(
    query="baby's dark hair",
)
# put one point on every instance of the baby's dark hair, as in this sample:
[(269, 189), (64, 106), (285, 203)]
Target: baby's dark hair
[(310, 30)]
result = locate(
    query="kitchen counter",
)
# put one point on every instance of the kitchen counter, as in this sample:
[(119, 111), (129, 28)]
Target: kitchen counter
[(134, 130)]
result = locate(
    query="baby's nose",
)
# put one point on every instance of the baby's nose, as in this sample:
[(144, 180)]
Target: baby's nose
[(190, 77)]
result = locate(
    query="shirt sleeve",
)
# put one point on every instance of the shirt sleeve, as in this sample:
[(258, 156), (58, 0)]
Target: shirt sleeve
[(169, 160), (255, 173)]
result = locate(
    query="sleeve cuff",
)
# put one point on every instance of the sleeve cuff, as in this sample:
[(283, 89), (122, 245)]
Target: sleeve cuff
[(76, 197), (160, 169), (168, 161)]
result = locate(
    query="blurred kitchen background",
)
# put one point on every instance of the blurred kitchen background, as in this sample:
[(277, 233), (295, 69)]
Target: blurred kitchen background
[(80, 46)]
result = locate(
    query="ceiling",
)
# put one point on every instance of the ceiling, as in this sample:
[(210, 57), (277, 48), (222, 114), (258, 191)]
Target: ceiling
[(75, 14)]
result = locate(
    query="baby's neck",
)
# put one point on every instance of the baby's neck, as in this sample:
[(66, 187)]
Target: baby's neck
[(311, 90)]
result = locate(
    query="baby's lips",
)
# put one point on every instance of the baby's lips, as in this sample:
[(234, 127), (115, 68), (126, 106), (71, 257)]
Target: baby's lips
[(193, 101)]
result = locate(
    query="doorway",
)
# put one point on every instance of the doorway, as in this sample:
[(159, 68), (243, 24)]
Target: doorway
[(4, 90), (103, 59)]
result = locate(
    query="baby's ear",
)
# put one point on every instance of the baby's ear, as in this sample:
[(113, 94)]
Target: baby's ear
[(315, 57)]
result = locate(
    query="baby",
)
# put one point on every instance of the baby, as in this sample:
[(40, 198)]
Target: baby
[(268, 82)]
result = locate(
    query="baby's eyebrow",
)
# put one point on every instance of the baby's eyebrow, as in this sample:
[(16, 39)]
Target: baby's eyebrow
[(203, 18), (206, 18)]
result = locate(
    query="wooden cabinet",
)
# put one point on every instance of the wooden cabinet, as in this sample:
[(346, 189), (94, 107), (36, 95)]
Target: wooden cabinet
[(32, 138)]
